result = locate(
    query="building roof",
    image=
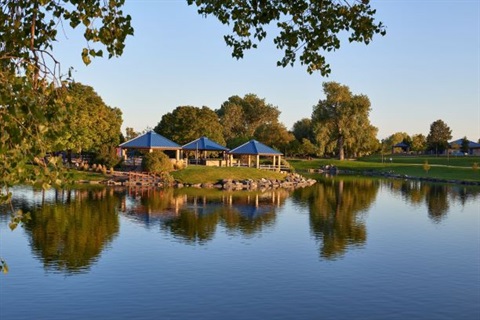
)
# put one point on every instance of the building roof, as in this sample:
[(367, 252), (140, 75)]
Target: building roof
[(150, 140), (401, 145), (253, 147), (471, 144), (204, 143)]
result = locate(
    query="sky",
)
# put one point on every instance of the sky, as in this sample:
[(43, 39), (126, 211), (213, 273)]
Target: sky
[(426, 68)]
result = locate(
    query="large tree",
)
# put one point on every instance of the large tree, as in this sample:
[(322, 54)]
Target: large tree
[(32, 100), (437, 139), (341, 122), (303, 129), (187, 123), (274, 135), (305, 28), (241, 117), (33, 107), (419, 143), (92, 125)]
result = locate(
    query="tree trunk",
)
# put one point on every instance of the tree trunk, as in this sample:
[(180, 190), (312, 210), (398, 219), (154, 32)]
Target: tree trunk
[(341, 152)]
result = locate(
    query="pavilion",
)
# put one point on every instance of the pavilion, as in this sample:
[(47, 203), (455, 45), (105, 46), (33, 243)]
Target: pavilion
[(203, 145), (257, 149), (151, 141), (403, 146)]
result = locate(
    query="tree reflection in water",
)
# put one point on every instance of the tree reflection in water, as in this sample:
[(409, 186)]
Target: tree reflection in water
[(70, 229), (69, 233), (192, 215), (436, 196), (335, 209)]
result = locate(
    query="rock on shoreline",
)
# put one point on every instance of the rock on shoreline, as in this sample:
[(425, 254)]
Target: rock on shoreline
[(291, 181)]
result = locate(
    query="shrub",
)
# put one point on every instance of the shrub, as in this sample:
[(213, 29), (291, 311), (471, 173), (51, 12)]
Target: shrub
[(179, 165), (426, 166), (156, 162), (107, 155)]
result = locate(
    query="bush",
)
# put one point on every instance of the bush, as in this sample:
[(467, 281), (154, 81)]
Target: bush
[(107, 155), (179, 165), (156, 162)]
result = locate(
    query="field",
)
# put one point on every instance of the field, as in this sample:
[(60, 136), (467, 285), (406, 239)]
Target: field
[(452, 168), (449, 168), (202, 174)]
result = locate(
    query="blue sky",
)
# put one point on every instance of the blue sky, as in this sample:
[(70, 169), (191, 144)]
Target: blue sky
[(426, 68)]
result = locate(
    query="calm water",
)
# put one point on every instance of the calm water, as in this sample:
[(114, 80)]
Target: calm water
[(342, 249)]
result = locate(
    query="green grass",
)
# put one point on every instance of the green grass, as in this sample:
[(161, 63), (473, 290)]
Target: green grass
[(452, 168), (77, 175), (432, 160), (201, 174)]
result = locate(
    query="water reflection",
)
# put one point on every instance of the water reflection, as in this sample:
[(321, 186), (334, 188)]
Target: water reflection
[(192, 215), (336, 207), (69, 230), (69, 233), (437, 197)]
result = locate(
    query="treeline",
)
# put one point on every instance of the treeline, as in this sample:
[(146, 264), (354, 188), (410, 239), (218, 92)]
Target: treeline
[(339, 125)]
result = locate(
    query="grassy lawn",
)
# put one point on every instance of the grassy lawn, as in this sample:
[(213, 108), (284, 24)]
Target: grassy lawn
[(451, 168), (201, 174), (77, 175)]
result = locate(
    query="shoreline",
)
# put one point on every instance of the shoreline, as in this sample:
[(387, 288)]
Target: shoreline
[(390, 175), (291, 181)]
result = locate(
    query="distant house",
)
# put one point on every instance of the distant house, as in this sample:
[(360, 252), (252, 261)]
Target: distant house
[(402, 147), (455, 147)]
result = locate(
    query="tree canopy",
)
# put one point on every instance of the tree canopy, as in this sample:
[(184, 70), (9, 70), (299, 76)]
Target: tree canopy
[(342, 124), (92, 125), (303, 129), (396, 138), (241, 117), (274, 135), (419, 142), (187, 123), (437, 139), (33, 96), (306, 29)]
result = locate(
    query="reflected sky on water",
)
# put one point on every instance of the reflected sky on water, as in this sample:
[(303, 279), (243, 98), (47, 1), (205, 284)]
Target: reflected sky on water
[(343, 248)]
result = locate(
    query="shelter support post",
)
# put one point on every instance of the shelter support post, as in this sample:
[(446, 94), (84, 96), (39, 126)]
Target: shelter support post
[(257, 164), (279, 163)]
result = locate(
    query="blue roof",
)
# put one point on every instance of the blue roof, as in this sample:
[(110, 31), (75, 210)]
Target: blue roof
[(256, 148), (204, 143), (471, 144), (150, 140), (401, 145)]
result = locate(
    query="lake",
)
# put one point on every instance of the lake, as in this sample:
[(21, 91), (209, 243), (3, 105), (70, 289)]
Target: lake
[(344, 248)]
